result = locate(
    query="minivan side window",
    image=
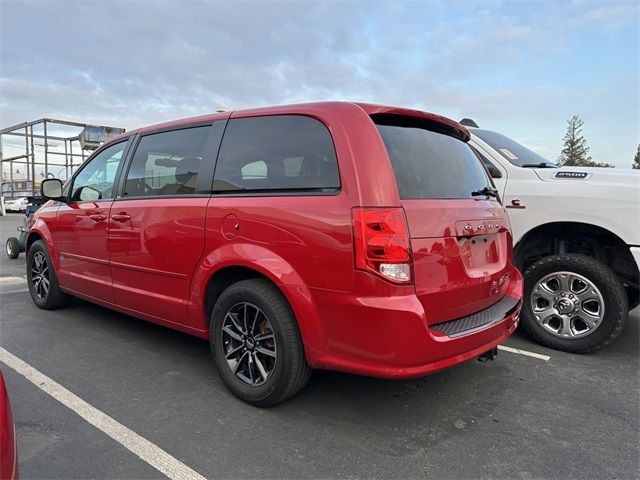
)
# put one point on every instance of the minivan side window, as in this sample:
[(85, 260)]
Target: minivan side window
[(166, 163), (96, 180), (494, 172), (276, 153)]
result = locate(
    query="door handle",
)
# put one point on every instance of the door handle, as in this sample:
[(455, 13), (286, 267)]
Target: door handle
[(120, 217), (97, 217)]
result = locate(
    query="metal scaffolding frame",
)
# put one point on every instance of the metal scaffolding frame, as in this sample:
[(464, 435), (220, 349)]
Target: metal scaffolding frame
[(72, 156)]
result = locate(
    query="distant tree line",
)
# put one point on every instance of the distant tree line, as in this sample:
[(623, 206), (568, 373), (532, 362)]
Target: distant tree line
[(575, 151)]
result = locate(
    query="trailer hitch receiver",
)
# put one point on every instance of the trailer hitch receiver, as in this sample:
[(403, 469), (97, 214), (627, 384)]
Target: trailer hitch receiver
[(489, 355)]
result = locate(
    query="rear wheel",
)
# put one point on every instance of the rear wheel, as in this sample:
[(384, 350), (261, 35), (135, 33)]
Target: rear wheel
[(573, 303), (13, 248), (256, 343), (41, 277)]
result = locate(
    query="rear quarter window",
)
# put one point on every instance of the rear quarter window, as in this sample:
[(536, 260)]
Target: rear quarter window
[(283, 153), (429, 164)]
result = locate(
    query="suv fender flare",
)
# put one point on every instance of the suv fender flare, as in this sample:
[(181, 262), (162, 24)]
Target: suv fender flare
[(274, 268), (571, 228), (536, 218)]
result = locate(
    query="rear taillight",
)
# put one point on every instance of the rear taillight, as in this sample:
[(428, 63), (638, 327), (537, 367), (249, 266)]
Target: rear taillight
[(382, 243)]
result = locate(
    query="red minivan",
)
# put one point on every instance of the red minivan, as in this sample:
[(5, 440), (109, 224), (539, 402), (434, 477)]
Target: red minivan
[(343, 236)]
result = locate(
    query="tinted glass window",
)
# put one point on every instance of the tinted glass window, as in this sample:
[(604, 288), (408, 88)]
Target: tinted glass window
[(510, 149), (494, 172), (96, 180), (286, 152), (167, 163), (428, 164)]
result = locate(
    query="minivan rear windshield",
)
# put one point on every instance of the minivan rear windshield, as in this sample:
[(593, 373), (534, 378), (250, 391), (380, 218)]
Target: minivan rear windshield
[(428, 164)]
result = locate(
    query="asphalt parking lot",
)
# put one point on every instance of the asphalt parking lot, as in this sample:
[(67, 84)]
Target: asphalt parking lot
[(571, 416)]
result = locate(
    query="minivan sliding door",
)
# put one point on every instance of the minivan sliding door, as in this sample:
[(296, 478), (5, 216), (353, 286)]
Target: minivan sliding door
[(156, 236)]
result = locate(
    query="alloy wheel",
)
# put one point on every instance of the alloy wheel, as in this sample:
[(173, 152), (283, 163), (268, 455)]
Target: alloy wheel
[(40, 275), (567, 305), (249, 343)]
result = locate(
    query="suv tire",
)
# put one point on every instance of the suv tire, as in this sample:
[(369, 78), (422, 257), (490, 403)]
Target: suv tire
[(41, 278), (604, 286), (256, 343)]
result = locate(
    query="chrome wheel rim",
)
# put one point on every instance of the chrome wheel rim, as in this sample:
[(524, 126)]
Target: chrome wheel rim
[(9, 249), (567, 305), (40, 275), (248, 343)]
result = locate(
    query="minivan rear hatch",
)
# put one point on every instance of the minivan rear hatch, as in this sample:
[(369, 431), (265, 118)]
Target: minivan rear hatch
[(459, 233)]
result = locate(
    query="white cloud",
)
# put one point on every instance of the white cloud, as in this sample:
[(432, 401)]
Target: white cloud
[(608, 16), (136, 62)]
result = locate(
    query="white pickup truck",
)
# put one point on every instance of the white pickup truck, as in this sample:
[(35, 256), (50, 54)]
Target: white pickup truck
[(576, 238)]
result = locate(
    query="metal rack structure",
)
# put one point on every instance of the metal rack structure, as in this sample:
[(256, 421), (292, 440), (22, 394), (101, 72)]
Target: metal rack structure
[(61, 153)]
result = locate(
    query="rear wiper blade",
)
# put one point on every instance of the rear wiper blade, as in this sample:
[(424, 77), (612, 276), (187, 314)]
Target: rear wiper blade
[(486, 191), (540, 165)]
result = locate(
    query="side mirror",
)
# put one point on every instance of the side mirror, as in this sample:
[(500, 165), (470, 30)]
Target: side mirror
[(51, 188), (88, 194)]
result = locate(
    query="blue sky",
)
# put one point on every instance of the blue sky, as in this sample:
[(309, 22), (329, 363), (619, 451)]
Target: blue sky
[(519, 67)]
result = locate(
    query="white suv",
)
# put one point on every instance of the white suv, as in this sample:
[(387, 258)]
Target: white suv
[(577, 240)]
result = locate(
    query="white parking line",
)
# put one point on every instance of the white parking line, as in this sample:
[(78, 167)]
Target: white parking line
[(12, 280), (140, 446), (546, 358)]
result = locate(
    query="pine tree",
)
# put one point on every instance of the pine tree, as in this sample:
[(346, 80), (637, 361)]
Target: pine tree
[(636, 160), (575, 151)]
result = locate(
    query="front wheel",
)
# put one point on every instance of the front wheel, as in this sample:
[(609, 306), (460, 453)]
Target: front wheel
[(256, 343), (41, 277), (573, 303)]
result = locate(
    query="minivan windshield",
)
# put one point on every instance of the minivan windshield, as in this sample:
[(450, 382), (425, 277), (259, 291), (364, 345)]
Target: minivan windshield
[(513, 151), (428, 164)]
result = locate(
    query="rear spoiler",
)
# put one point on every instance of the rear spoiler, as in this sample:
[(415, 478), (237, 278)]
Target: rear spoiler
[(431, 121)]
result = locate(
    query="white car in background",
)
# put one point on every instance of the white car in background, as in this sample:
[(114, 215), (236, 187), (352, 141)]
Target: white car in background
[(16, 204), (576, 239)]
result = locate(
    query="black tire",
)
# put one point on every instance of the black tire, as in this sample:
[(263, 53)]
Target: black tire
[(633, 294), (290, 372), (603, 278), (54, 297), (13, 248)]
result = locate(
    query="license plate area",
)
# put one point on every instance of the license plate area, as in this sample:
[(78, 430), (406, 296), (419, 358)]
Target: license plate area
[(481, 254)]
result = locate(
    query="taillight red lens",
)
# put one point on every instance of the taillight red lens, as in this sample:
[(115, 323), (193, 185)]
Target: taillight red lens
[(382, 242)]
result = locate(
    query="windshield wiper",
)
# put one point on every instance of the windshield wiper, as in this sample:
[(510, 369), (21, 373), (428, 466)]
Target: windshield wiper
[(540, 165), (486, 191)]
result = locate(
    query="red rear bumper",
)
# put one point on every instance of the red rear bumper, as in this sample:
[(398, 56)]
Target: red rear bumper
[(388, 336)]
